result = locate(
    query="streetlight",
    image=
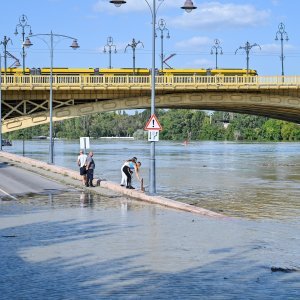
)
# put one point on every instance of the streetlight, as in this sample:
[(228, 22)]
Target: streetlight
[(4, 43), (23, 144), (109, 45), (74, 46), (188, 7), (162, 28), (133, 45), (283, 36), (215, 50), (247, 49), (15, 64), (23, 24)]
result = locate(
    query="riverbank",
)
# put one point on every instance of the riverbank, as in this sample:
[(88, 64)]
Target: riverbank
[(103, 187)]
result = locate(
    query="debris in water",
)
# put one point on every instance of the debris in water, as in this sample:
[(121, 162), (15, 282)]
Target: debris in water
[(284, 270)]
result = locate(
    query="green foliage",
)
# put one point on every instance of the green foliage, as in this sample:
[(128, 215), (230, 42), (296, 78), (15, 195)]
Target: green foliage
[(181, 124), (290, 131), (247, 127), (272, 130)]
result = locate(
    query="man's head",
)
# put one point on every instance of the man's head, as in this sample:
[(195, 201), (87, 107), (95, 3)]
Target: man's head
[(80, 152), (91, 153)]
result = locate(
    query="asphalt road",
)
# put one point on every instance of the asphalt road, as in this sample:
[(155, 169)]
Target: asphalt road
[(15, 182)]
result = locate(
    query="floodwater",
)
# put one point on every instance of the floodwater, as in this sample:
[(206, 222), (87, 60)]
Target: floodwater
[(238, 179), (83, 246)]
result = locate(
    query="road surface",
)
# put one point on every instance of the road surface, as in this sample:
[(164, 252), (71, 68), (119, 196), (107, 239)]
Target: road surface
[(15, 182)]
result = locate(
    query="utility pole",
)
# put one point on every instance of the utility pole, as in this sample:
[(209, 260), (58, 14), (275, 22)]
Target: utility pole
[(247, 49), (133, 45), (283, 36)]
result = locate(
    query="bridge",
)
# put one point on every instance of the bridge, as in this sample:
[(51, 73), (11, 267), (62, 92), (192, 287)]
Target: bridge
[(25, 99)]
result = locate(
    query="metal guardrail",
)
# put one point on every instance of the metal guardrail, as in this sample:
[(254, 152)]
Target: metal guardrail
[(43, 81)]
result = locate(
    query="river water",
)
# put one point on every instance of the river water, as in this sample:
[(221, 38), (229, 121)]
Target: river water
[(238, 179), (82, 246)]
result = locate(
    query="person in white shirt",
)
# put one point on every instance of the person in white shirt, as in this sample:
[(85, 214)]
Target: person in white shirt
[(129, 167), (81, 161), (124, 176)]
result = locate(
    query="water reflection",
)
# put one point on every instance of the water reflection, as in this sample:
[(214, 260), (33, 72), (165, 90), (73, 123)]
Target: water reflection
[(86, 199)]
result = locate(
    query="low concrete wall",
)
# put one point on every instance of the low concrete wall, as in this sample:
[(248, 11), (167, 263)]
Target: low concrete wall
[(136, 194)]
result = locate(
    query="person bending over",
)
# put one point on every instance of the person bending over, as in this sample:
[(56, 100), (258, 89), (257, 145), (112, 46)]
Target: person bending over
[(129, 168), (124, 176)]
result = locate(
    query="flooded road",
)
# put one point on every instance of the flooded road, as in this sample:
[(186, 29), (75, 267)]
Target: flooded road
[(82, 246)]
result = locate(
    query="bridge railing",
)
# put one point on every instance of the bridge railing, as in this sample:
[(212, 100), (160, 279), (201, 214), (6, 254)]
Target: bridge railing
[(43, 81)]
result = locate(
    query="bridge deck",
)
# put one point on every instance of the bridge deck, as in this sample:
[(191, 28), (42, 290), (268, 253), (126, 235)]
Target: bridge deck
[(42, 82)]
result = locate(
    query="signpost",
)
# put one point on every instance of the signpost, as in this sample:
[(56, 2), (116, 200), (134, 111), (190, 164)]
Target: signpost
[(153, 135), (153, 127), (153, 124), (84, 143)]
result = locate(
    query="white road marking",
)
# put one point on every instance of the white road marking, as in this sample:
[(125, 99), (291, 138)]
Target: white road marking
[(9, 195)]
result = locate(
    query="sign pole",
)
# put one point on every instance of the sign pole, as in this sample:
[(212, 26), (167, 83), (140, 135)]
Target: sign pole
[(84, 143), (153, 127)]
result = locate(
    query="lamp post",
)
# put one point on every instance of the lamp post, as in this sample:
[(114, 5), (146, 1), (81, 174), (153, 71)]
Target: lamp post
[(247, 49), (110, 45), (23, 24), (133, 45), (283, 36), (16, 63), (4, 43), (215, 50), (188, 7), (23, 144), (74, 46), (162, 28)]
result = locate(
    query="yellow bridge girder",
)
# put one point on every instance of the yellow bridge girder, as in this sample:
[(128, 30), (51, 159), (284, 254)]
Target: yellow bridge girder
[(25, 100)]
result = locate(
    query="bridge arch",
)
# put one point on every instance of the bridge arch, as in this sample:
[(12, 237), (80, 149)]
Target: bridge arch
[(283, 106)]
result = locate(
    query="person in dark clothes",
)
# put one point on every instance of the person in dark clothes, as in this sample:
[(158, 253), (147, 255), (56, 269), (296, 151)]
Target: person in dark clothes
[(90, 167)]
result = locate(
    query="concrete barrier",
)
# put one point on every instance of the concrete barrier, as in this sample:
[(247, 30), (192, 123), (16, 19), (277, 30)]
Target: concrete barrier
[(136, 194)]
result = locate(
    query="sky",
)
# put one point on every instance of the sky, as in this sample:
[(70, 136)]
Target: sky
[(192, 35)]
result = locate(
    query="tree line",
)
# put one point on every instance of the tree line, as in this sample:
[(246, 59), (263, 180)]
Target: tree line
[(178, 124)]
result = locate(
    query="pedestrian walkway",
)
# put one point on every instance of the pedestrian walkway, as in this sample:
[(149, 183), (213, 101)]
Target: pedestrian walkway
[(73, 178)]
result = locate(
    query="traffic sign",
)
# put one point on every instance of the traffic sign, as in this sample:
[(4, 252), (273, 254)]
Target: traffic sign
[(153, 124), (153, 136), (84, 143)]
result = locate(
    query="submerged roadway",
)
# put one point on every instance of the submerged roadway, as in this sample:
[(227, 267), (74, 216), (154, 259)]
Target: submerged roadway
[(15, 181)]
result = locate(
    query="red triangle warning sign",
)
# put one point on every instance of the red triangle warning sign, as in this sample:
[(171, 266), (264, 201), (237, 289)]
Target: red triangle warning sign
[(153, 124)]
